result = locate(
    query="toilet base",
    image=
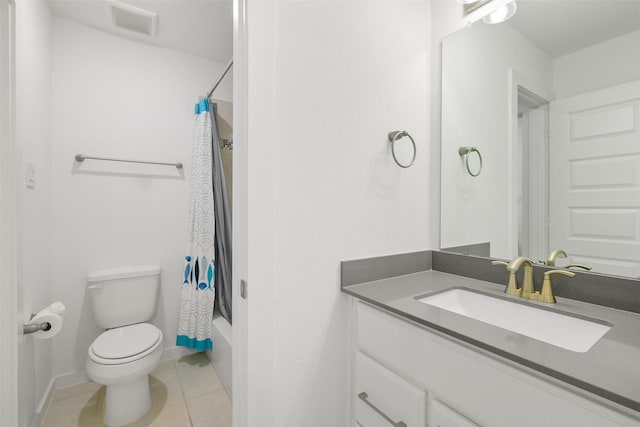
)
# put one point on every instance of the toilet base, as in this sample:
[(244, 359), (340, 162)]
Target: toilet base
[(126, 402)]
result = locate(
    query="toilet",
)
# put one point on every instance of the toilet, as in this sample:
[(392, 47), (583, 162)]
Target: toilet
[(123, 299)]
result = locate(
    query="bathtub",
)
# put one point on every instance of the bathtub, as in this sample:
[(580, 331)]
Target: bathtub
[(220, 356)]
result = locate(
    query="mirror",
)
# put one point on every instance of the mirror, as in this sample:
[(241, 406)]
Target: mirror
[(551, 98)]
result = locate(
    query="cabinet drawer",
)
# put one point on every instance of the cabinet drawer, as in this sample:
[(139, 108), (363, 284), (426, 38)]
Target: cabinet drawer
[(441, 415), (397, 399)]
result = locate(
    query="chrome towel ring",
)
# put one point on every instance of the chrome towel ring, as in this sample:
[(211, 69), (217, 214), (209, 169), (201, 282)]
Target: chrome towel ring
[(396, 135), (476, 164)]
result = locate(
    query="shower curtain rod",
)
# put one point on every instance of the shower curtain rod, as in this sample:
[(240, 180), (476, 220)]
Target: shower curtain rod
[(224, 73)]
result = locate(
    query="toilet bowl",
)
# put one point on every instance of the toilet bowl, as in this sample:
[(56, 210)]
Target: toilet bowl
[(121, 358)]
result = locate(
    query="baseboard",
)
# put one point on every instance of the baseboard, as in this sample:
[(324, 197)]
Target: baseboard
[(176, 353), (78, 377), (44, 404), (72, 378)]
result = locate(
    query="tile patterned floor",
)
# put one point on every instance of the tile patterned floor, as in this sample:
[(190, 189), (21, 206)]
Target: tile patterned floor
[(185, 392)]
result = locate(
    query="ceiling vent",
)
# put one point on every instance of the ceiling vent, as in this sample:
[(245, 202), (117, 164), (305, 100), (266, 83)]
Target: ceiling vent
[(134, 18)]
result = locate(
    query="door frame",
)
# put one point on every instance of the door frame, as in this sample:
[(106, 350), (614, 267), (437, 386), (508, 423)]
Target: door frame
[(254, 225), (536, 198), (240, 363), (9, 325), (517, 80)]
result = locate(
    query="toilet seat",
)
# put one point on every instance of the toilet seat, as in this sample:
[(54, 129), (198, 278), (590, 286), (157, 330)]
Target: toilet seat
[(125, 344)]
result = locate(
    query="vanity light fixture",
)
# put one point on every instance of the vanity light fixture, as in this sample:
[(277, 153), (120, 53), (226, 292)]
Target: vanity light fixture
[(490, 11), (502, 13)]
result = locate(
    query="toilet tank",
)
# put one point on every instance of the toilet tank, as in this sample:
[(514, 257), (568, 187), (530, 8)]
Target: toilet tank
[(124, 295)]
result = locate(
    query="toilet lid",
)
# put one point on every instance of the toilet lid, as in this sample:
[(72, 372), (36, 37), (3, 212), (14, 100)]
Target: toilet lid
[(127, 341)]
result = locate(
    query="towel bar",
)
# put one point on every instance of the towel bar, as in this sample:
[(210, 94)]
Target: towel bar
[(81, 158), (393, 137)]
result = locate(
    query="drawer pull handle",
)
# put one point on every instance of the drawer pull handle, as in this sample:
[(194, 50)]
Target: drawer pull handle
[(363, 396)]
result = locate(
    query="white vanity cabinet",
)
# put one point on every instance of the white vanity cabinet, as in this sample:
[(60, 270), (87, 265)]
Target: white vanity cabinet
[(440, 415), (383, 398), (424, 378)]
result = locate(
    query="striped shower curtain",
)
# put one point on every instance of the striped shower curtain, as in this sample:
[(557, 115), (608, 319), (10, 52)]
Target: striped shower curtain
[(198, 287)]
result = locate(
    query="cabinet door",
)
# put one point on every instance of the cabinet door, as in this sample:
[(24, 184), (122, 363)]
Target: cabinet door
[(443, 416), (383, 399)]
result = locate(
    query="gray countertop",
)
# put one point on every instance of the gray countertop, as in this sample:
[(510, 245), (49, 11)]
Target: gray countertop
[(610, 369)]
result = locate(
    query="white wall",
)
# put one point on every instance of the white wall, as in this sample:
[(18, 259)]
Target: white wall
[(33, 139), (611, 63), (327, 82), (118, 98), (475, 112)]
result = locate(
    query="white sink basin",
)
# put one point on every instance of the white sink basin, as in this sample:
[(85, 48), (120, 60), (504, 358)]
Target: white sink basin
[(564, 331)]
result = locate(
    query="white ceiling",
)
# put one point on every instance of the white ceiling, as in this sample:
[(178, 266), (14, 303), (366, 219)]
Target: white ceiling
[(200, 27), (205, 27), (559, 27)]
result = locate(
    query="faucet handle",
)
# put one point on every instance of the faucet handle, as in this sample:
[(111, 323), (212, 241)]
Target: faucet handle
[(583, 266), (546, 294), (512, 288)]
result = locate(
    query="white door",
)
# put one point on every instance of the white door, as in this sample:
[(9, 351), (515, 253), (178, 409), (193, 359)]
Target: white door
[(8, 252), (595, 179)]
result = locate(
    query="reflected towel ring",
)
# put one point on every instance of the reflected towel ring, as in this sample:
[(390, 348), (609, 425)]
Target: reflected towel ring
[(396, 135), (467, 152)]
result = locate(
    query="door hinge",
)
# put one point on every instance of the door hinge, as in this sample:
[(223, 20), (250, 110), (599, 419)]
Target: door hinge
[(243, 288)]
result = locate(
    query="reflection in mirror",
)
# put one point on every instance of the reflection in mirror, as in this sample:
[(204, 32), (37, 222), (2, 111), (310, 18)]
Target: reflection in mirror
[(552, 100), (472, 160)]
